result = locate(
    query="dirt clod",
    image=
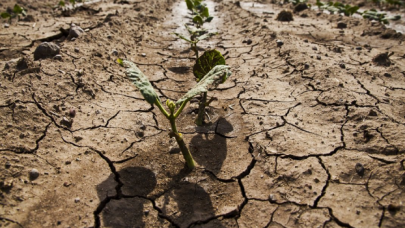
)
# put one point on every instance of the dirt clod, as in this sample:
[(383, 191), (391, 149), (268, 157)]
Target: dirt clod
[(46, 50), (300, 7), (382, 59), (359, 169), (285, 15), (75, 31), (341, 25)]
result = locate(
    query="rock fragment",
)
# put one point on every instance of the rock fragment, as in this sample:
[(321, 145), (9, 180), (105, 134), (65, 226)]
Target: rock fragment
[(300, 7), (285, 16), (46, 50), (75, 31), (341, 25), (33, 174), (359, 169), (382, 59)]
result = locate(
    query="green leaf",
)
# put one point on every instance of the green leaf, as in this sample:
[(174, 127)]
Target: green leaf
[(206, 36), (394, 18), (120, 61), (62, 3), (210, 81), (5, 15), (207, 62), (140, 81), (18, 9), (190, 5), (204, 11), (209, 19), (183, 37), (193, 30), (73, 2), (198, 20)]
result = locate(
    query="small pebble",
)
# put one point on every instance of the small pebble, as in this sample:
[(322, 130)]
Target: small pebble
[(77, 200), (342, 25), (77, 49), (318, 57), (6, 25), (279, 43), (249, 41), (146, 212), (143, 54), (359, 48), (359, 169), (342, 65), (114, 52), (393, 208), (57, 57), (140, 134), (314, 48), (7, 165), (72, 113), (33, 174)]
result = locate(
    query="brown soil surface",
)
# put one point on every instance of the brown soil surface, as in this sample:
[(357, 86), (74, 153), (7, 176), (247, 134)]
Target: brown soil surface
[(309, 134)]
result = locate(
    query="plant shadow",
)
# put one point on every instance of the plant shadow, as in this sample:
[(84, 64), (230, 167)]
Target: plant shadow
[(129, 210), (210, 150), (133, 207)]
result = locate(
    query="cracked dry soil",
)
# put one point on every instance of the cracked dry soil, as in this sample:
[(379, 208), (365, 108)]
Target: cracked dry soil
[(309, 134)]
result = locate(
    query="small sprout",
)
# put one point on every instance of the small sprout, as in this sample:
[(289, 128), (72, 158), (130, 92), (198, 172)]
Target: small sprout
[(15, 12), (119, 61), (213, 78)]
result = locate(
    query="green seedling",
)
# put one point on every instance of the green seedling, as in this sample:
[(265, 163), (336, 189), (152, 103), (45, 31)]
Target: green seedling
[(337, 7), (397, 3), (200, 12), (15, 12), (203, 65), (379, 16), (211, 80), (73, 2), (196, 35), (296, 2)]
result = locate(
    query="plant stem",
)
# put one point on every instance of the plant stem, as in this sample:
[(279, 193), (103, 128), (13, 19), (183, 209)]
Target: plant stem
[(201, 110), (179, 138), (163, 110)]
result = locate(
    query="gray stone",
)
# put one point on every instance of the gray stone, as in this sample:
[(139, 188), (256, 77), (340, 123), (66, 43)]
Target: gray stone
[(33, 174), (75, 31), (57, 57), (46, 50)]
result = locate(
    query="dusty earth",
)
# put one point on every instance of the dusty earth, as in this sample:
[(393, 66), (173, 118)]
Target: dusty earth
[(309, 134)]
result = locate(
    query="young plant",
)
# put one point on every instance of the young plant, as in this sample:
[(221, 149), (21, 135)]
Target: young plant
[(337, 7), (203, 65), (379, 16), (211, 80), (15, 12), (200, 12), (196, 35)]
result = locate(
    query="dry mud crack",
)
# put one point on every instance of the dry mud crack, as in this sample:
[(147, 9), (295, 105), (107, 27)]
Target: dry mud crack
[(307, 134)]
